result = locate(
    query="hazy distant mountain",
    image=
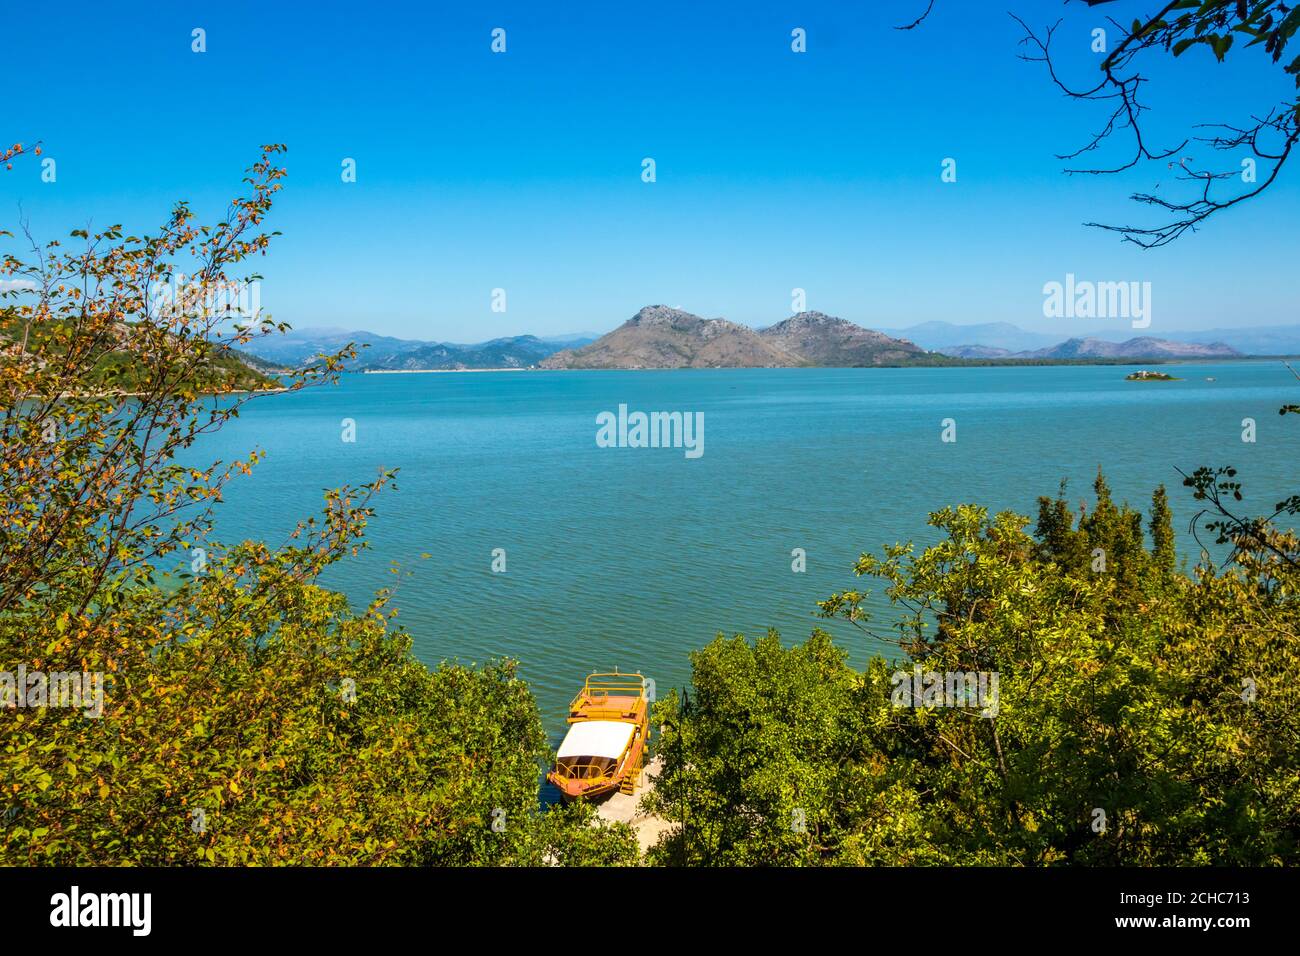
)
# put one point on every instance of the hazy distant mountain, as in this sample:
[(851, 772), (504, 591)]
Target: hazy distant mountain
[(976, 352), (520, 351), (994, 339), (822, 339), (662, 337), (1251, 340), (1144, 347), (943, 336), (300, 346), (1095, 348), (573, 340)]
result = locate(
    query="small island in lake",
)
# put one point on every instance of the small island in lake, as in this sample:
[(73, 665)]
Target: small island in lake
[(1147, 376)]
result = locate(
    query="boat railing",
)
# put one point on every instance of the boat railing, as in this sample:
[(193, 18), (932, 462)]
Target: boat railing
[(582, 769), (592, 770), (600, 688)]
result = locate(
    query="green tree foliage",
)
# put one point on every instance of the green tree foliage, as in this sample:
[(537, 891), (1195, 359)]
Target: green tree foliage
[(1109, 539), (1163, 553), (323, 741), (249, 715), (1141, 717)]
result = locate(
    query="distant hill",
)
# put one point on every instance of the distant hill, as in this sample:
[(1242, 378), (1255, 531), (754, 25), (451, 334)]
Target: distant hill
[(572, 340), (1144, 347), (300, 347), (1249, 340), (1001, 339), (825, 340), (945, 336), (123, 370), (521, 351), (1094, 348), (976, 352), (662, 337)]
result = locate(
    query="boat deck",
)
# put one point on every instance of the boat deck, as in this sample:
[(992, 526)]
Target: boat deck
[(607, 707)]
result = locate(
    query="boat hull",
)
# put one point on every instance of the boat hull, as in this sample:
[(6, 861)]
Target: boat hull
[(609, 724), (578, 789)]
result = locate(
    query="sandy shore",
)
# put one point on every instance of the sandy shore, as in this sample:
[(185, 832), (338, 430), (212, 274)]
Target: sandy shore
[(441, 371), (622, 808)]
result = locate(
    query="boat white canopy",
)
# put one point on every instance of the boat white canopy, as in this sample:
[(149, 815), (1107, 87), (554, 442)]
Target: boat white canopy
[(597, 738)]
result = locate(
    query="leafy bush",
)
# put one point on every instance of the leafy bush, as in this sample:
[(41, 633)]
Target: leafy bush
[(1142, 717), (249, 715)]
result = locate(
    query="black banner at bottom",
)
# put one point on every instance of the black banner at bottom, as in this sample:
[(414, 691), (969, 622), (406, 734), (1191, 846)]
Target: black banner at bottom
[(345, 906)]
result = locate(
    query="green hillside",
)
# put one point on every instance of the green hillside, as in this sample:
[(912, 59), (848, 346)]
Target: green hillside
[(219, 369)]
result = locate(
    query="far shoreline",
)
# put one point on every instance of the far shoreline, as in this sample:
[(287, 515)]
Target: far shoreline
[(959, 363), (444, 371)]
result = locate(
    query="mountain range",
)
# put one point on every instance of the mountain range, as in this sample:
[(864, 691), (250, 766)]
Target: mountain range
[(1094, 348), (662, 337), (822, 339), (299, 347), (948, 337)]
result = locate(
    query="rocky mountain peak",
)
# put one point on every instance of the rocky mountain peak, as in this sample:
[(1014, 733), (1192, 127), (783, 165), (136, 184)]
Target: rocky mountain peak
[(812, 320), (663, 315)]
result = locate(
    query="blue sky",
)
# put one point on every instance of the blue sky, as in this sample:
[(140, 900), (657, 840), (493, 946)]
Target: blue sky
[(522, 170)]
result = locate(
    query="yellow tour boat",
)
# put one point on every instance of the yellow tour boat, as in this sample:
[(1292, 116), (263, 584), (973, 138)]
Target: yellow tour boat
[(609, 726)]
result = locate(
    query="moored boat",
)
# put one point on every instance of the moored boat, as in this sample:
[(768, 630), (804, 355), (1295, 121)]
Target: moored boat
[(609, 726)]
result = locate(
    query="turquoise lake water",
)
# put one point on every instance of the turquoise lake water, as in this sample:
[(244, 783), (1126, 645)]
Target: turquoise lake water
[(631, 557)]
